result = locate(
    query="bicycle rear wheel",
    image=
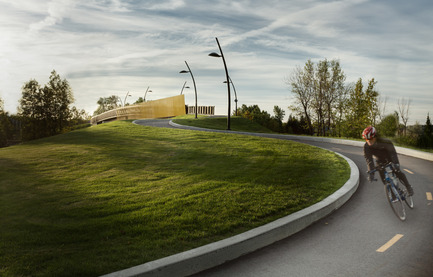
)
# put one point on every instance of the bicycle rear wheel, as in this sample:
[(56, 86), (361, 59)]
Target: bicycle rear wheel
[(395, 202), (408, 199)]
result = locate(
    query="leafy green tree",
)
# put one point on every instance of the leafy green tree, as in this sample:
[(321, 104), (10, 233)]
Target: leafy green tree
[(361, 108), (106, 104), (388, 126), (279, 114), (263, 118), (31, 110), (58, 96), (254, 113), (45, 110), (78, 117), (139, 100), (278, 119), (340, 110), (296, 126)]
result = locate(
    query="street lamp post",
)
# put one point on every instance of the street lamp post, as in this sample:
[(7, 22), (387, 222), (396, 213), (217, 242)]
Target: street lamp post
[(183, 88), (236, 96), (227, 77), (193, 81), (124, 101), (147, 90)]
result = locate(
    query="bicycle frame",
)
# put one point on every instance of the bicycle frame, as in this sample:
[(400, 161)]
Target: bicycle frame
[(394, 194), (391, 179)]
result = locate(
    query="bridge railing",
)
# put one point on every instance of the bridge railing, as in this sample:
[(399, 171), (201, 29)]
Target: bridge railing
[(166, 107)]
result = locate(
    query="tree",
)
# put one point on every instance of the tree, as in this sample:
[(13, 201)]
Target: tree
[(140, 100), (31, 110), (361, 109), (319, 91), (296, 126), (340, 109), (321, 85), (336, 94), (106, 104), (303, 84), (78, 116), (279, 113), (388, 126), (263, 118), (371, 99), (403, 109), (58, 97), (426, 138), (45, 110), (278, 118), (4, 125)]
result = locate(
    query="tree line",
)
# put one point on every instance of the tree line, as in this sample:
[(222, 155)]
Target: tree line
[(112, 102), (43, 111), (325, 105)]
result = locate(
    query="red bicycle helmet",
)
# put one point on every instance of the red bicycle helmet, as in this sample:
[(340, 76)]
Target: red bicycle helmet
[(369, 133)]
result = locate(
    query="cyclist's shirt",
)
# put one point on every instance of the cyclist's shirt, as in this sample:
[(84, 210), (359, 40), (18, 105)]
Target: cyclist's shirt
[(383, 150)]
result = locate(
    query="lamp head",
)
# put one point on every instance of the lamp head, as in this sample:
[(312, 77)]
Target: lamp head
[(213, 54)]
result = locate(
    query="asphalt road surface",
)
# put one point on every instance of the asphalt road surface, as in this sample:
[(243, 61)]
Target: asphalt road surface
[(362, 238)]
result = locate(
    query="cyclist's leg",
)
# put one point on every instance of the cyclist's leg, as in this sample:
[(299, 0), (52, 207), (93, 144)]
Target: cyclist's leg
[(382, 177), (403, 177)]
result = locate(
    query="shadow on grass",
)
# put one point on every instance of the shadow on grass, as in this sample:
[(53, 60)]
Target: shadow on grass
[(101, 199)]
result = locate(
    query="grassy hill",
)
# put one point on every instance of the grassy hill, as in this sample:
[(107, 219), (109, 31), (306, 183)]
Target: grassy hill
[(237, 123), (112, 196)]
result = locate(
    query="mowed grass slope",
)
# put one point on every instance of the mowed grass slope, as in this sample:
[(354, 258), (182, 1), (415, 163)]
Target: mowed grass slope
[(116, 195), (237, 123)]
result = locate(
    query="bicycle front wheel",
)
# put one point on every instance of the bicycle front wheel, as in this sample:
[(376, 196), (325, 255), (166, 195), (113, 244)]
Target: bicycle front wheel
[(395, 202), (408, 199)]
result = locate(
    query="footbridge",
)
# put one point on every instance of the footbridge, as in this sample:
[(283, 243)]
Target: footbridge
[(161, 108)]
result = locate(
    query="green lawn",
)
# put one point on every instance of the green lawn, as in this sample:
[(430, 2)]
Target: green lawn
[(237, 123), (116, 195)]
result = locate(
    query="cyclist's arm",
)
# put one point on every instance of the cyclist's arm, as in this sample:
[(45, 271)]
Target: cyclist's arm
[(392, 153), (368, 157)]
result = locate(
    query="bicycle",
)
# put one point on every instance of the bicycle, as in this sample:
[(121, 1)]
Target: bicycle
[(395, 193)]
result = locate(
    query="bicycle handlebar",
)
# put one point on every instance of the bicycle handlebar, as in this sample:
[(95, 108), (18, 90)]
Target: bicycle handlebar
[(378, 167)]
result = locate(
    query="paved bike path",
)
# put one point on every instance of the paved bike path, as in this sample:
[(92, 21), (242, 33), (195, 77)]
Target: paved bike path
[(199, 259)]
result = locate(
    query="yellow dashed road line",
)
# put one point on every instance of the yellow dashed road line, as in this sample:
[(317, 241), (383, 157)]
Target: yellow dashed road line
[(408, 171), (429, 196), (389, 243)]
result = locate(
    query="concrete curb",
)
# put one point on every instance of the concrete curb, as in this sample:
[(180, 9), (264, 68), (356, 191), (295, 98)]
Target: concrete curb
[(217, 253)]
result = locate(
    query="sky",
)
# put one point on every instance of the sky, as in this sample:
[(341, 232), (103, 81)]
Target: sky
[(112, 47)]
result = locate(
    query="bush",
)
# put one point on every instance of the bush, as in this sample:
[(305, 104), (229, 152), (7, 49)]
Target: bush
[(388, 126)]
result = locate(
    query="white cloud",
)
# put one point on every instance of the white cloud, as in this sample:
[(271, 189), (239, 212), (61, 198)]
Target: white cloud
[(110, 47), (57, 10), (170, 5)]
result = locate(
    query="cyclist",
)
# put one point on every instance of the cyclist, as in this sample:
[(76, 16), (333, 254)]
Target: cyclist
[(384, 152)]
